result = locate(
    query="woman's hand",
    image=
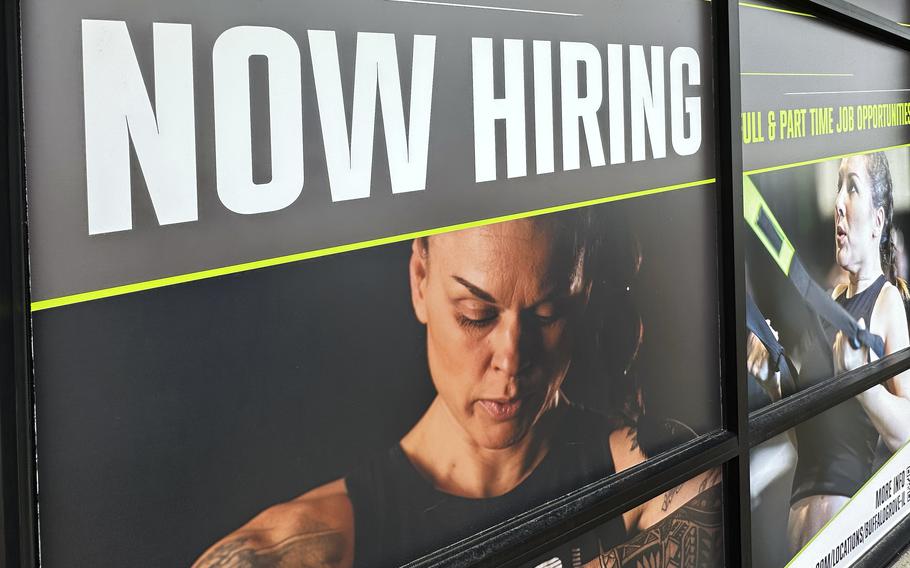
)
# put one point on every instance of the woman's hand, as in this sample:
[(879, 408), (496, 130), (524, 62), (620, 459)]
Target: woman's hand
[(846, 358), (758, 365)]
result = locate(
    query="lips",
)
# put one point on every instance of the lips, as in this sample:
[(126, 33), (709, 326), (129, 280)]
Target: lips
[(501, 409), (840, 235)]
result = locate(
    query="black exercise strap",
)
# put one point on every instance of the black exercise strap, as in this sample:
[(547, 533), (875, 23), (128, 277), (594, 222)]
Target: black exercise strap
[(763, 223), (777, 357)]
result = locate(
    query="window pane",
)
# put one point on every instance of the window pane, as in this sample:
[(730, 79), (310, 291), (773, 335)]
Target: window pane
[(352, 280), (827, 208)]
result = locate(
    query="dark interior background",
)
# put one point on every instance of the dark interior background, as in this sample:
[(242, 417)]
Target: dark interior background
[(168, 418)]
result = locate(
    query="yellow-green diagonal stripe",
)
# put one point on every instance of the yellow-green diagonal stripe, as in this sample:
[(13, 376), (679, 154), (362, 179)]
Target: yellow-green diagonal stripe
[(233, 269), (820, 160), (779, 10)]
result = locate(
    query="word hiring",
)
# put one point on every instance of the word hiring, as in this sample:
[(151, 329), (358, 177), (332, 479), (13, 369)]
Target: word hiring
[(118, 110)]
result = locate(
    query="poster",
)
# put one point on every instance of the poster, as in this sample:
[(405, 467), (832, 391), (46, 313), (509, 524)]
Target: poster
[(344, 283), (826, 468), (827, 206)]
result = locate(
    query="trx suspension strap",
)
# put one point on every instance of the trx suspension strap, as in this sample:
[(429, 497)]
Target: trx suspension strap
[(777, 358), (760, 218)]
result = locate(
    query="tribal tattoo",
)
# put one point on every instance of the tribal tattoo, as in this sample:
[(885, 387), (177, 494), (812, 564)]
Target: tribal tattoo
[(691, 537), (319, 547)]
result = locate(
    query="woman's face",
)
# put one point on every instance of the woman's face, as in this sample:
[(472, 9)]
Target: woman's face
[(498, 303), (857, 223)]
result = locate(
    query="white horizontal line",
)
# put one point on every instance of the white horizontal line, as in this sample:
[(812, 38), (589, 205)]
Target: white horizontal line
[(481, 7), (850, 92)]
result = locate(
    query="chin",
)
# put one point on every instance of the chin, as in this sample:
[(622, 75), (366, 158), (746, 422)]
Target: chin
[(840, 257), (502, 436)]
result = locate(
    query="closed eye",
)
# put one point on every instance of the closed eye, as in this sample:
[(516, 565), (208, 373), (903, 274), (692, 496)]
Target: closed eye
[(549, 312), (475, 322), (548, 319)]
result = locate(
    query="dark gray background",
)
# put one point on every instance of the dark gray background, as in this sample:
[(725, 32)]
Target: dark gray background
[(168, 418), (65, 260), (785, 43)]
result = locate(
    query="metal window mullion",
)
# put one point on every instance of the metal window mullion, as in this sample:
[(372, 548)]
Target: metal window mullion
[(19, 544), (729, 168)]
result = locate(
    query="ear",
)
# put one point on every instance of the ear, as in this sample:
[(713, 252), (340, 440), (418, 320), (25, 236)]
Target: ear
[(879, 223), (418, 270)]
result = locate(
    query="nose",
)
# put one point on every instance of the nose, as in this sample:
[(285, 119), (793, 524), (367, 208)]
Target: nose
[(508, 357), (840, 207)]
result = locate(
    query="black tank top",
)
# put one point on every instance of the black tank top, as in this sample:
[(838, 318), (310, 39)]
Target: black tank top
[(399, 515), (837, 447)]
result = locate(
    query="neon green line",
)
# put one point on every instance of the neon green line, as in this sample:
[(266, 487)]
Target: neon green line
[(770, 9), (796, 74), (233, 269), (818, 160), (782, 11), (831, 520)]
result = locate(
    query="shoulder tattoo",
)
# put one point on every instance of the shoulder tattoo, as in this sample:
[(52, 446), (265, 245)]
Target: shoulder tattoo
[(318, 547), (691, 536)]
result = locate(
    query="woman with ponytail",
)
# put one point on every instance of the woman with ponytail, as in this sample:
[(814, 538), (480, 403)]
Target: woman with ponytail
[(837, 448)]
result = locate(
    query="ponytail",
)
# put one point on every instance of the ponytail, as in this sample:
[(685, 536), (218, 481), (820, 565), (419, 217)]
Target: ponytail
[(889, 266), (883, 196)]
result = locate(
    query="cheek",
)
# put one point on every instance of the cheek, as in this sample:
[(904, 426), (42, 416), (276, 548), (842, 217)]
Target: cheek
[(556, 344), (848, 212), (457, 356), (858, 213), (458, 347)]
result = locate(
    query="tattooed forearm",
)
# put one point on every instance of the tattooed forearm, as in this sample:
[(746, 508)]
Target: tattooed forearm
[(711, 479), (320, 549), (668, 497), (691, 537)]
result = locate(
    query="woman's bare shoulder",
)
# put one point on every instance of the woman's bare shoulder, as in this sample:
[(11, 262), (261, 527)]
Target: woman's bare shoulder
[(625, 449), (889, 297), (889, 313), (314, 530)]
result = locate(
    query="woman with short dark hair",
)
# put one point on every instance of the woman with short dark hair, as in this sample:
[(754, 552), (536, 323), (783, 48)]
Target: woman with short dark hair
[(504, 307)]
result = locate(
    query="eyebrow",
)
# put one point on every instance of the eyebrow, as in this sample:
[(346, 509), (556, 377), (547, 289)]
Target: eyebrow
[(848, 175), (487, 297), (474, 289)]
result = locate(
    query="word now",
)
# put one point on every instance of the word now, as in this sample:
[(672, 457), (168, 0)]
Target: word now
[(118, 111)]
